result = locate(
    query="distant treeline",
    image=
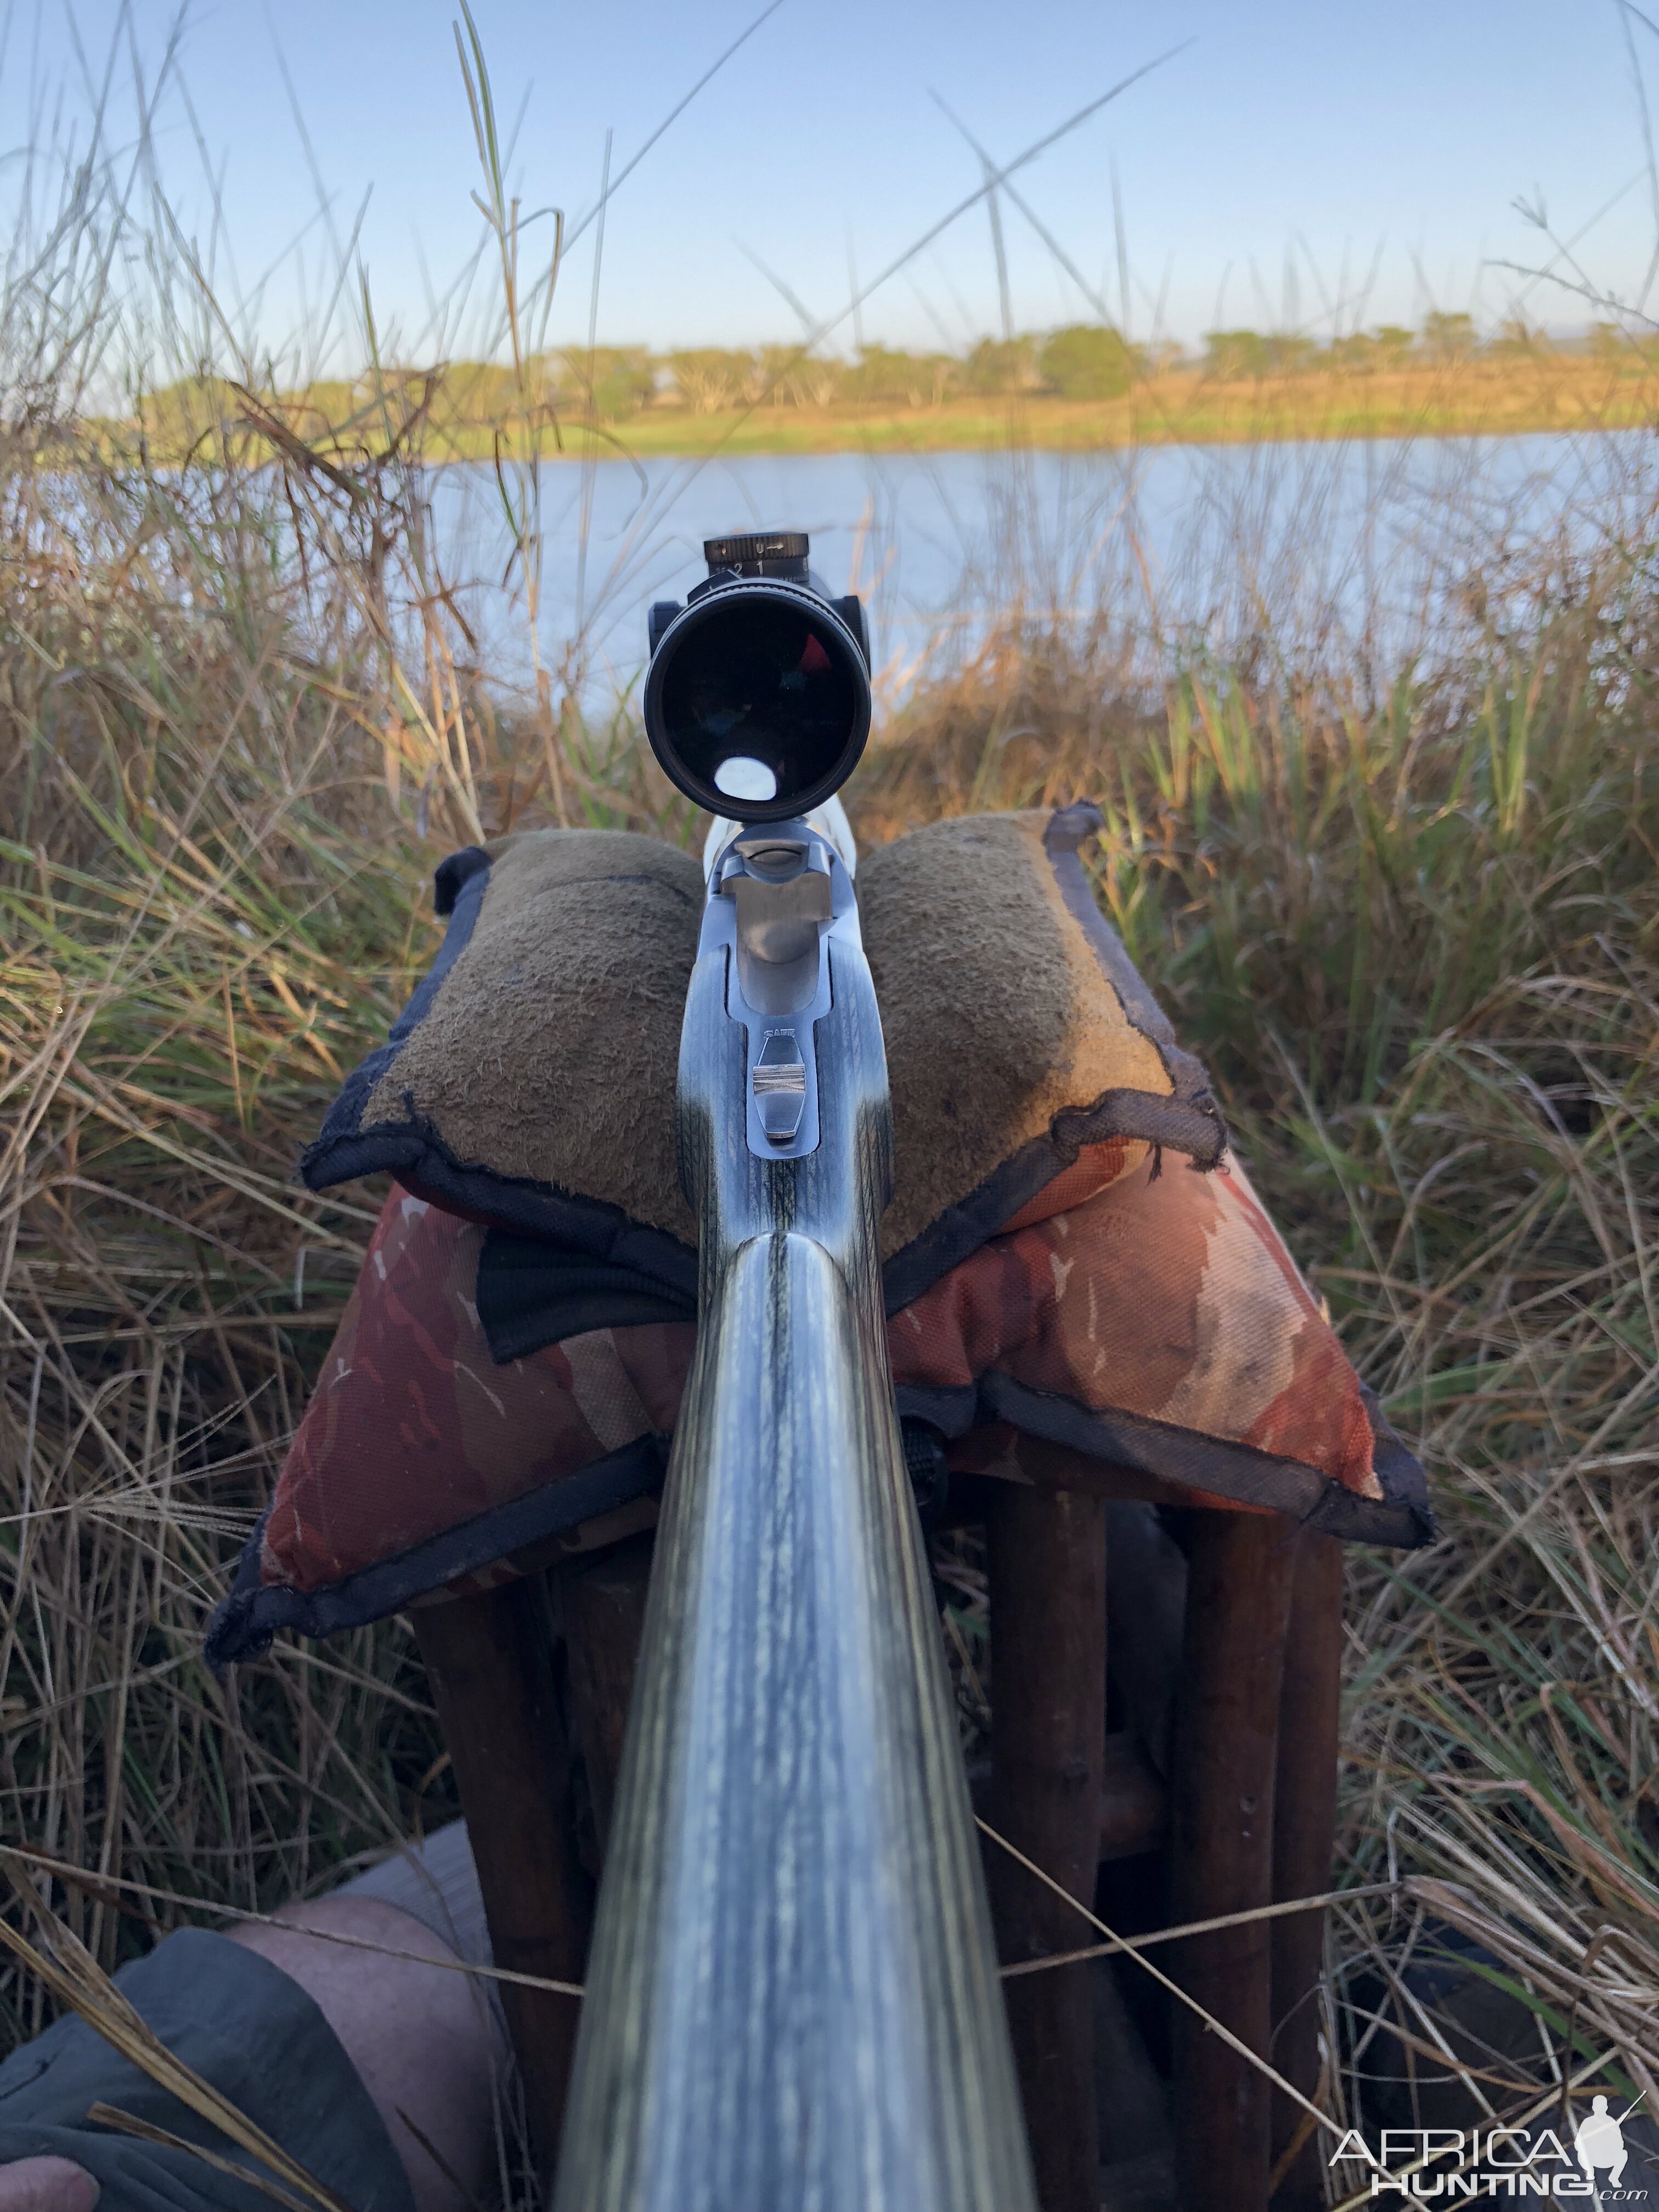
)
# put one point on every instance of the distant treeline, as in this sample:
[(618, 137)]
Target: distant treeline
[(1081, 363), (620, 382), (1444, 338)]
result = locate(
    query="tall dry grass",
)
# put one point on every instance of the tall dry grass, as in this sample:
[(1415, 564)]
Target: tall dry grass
[(1416, 941), (1407, 911)]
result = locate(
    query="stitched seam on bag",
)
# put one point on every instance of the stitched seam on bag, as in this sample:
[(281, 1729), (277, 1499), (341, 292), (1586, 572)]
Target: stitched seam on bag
[(344, 1117), (1067, 828), (245, 1622), (1197, 1461), (960, 1231), (413, 1149)]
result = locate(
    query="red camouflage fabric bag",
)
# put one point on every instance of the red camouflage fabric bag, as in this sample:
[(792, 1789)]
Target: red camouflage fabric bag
[(1071, 1259), (1159, 1326)]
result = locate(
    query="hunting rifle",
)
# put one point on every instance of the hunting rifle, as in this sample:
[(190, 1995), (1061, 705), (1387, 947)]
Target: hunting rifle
[(792, 2001)]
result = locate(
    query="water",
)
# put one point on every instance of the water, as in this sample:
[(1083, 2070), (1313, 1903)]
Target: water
[(1378, 545)]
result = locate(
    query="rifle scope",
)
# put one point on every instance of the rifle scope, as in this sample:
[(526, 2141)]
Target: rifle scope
[(757, 700)]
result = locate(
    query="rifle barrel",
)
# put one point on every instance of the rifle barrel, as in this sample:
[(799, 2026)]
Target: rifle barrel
[(793, 1999)]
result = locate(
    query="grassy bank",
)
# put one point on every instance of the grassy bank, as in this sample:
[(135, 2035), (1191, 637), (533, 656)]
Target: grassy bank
[(1178, 407), (1411, 915), (472, 414)]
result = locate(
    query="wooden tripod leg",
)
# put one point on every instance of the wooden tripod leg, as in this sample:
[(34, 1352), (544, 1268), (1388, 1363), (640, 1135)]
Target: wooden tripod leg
[(1305, 1828), (1240, 1568), (490, 1661), (603, 1620), (1047, 1558)]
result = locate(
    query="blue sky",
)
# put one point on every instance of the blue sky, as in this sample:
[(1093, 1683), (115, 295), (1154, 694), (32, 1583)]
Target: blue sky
[(1260, 170)]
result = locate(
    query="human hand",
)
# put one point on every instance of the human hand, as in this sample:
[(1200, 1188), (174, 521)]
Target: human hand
[(46, 2185)]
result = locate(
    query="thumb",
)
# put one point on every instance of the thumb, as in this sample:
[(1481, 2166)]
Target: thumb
[(46, 2185)]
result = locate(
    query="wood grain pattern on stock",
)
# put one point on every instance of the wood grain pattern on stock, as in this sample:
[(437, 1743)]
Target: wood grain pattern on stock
[(792, 1994)]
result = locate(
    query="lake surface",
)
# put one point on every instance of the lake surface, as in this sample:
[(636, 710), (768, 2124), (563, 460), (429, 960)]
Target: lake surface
[(1377, 545)]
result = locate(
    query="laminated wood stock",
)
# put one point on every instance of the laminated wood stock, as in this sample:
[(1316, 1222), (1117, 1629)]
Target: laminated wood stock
[(793, 1997)]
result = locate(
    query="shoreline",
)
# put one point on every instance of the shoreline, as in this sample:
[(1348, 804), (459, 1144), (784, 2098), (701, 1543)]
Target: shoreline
[(1564, 395), (1174, 409)]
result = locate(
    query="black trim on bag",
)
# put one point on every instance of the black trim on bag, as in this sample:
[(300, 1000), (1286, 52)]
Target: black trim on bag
[(248, 1619), (1398, 1467), (531, 1293), (253, 1612), (601, 1233), (413, 1151), (957, 1233), (1400, 1519), (1070, 828), (450, 878), (458, 890)]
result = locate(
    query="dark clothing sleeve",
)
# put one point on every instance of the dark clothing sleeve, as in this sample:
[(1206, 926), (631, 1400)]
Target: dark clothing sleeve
[(246, 2027)]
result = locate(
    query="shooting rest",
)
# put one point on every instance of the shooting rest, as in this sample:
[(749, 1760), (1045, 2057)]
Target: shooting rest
[(1244, 1817), (1081, 1332)]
